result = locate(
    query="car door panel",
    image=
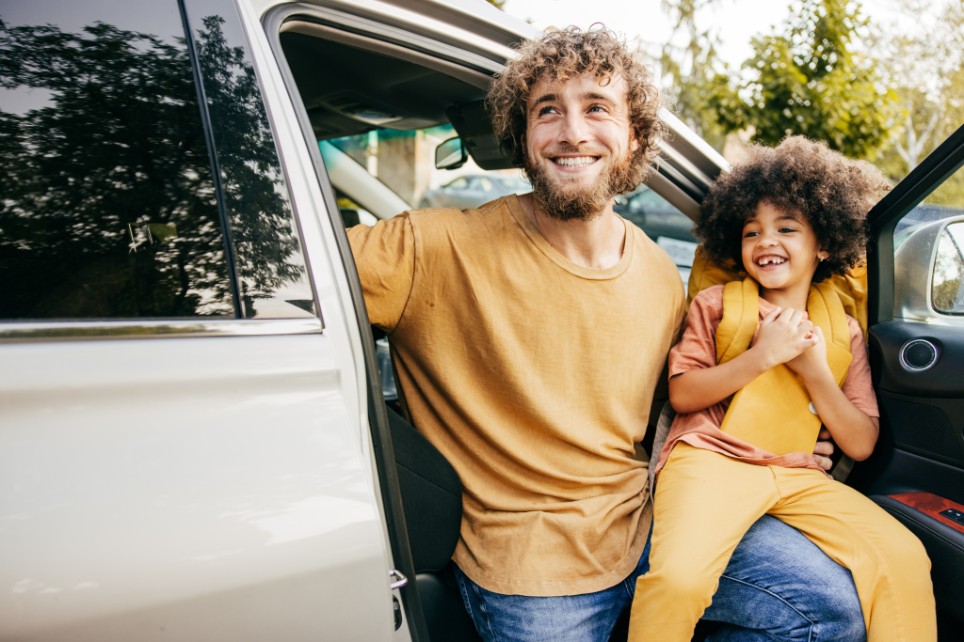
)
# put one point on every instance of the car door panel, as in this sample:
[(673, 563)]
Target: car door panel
[(916, 345), (924, 406), (918, 472), (159, 484)]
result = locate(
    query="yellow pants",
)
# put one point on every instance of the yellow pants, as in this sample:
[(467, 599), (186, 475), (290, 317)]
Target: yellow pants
[(705, 502)]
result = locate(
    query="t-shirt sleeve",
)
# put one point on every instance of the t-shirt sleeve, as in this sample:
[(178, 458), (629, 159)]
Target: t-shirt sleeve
[(697, 347), (385, 257), (858, 386)]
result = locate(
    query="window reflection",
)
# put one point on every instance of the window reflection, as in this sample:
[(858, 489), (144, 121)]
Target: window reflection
[(110, 208), (270, 268)]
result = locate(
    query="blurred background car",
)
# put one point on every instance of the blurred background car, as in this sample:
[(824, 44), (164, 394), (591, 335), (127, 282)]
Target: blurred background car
[(472, 190), (663, 222), (654, 214)]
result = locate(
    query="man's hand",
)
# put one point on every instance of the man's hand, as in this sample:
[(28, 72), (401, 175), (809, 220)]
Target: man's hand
[(823, 450)]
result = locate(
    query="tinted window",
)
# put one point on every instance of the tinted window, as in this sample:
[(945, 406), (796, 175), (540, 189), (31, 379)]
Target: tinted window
[(263, 240), (110, 205), (662, 222)]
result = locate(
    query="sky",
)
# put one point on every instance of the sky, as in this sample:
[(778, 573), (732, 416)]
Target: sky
[(735, 21)]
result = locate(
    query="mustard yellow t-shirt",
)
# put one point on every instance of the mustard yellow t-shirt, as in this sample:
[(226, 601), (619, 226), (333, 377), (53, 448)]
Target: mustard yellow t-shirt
[(534, 377)]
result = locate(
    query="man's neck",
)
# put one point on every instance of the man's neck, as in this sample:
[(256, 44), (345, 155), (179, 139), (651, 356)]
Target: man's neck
[(597, 242)]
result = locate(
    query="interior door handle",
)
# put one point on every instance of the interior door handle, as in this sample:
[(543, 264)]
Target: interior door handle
[(398, 579)]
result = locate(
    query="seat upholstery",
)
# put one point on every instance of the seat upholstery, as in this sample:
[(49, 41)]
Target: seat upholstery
[(432, 500)]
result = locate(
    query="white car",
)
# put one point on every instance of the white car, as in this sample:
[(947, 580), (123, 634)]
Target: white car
[(194, 439)]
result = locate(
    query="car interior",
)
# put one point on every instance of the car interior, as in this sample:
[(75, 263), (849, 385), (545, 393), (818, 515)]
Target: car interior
[(353, 79)]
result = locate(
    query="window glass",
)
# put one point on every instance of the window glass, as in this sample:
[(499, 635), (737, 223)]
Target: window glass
[(929, 249), (662, 222), (944, 202), (263, 240), (110, 207), (405, 162)]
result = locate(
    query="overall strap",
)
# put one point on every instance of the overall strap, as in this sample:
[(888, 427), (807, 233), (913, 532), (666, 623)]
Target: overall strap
[(774, 411), (741, 315), (826, 310)]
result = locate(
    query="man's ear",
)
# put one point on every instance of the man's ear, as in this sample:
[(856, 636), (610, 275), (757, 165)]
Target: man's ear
[(633, 142)]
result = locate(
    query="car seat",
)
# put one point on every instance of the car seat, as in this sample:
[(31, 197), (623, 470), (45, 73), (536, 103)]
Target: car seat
[(432, 500)]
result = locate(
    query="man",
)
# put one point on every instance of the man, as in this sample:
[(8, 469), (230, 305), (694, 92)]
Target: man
[(529, 336)]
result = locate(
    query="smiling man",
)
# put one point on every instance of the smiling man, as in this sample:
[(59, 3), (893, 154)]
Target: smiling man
[(528, 337)]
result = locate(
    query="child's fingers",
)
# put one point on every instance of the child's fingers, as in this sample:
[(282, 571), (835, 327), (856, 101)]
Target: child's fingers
[(772, 315)]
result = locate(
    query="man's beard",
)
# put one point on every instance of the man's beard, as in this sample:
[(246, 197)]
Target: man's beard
[(578, 204)]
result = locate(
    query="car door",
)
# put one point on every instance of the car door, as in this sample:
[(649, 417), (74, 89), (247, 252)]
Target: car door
[(371, 79), (183, 446), (916, 342)]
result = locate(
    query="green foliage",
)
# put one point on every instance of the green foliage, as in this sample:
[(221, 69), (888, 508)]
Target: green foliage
[(810, 81), (690, 71), (924, 65)]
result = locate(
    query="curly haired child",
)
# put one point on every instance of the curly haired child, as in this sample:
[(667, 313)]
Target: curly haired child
[(763, 364)]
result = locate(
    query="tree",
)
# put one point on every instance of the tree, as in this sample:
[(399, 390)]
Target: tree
[(688, 71), (810, 81), (924, 65)]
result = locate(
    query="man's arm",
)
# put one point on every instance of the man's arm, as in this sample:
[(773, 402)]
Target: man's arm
[(385, 257)]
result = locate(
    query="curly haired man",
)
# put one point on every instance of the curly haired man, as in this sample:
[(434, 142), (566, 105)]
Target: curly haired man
[(529, 336)]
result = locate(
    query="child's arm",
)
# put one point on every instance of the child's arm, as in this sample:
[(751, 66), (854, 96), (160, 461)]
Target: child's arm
[(851, 428), (783, 335)]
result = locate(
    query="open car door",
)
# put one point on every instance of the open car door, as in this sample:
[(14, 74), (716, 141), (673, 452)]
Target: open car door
[(916, 315)]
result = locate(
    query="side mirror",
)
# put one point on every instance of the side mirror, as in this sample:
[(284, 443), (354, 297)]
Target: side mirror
[(947, 286), (928, 271), (450, 154)]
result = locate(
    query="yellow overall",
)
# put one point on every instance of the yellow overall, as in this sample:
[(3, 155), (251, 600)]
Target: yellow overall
[(705, 501), (773, 411)]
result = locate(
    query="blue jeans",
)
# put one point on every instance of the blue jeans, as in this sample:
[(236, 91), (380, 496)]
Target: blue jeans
[(777, 586)]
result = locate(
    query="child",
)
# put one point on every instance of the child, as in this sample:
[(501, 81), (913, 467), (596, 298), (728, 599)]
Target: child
[(762, 363)]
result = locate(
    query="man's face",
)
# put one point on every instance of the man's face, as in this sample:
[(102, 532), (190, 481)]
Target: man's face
[(578, 144)]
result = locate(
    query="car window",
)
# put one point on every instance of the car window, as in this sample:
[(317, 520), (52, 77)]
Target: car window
[(406, 165), (119, 203), (945, 204), (929, 256), (670, 228)]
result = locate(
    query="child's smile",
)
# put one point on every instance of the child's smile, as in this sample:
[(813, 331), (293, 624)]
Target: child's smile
[(781, 253), (768, 261)]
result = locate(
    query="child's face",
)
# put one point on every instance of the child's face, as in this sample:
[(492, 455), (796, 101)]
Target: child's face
[(780, 249)]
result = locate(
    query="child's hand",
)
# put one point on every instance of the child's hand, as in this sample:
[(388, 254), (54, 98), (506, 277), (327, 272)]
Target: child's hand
[(783, 335), (812, 362)]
